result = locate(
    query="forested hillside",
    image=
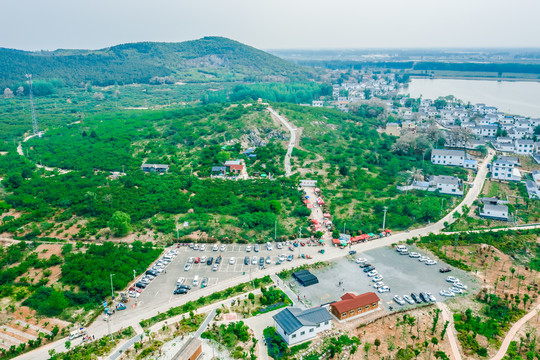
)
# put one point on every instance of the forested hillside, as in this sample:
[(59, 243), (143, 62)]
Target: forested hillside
[(206, 59)]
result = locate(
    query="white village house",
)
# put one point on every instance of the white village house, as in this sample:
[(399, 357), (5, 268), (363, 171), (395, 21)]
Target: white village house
[(297, 325), (505, 170), (453, 158)]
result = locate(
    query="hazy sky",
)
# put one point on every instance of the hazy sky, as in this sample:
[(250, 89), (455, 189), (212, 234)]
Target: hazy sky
[(272, 24)]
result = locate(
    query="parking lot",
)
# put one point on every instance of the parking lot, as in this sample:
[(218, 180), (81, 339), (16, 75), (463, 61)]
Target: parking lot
[(401, 273), (164, 284)]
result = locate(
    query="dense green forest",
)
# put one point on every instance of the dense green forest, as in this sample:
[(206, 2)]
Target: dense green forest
[(202, 60)]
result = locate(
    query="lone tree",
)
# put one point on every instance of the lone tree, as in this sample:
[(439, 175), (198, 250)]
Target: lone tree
[(120, 223)]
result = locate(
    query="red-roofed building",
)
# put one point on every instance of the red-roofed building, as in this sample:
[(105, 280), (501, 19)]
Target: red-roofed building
[(236, 169), (352, 305)]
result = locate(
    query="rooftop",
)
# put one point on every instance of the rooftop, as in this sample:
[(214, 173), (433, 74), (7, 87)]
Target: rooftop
[(351, 301), (292, 319)]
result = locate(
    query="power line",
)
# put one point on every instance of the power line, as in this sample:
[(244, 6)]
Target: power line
[(34, 117)]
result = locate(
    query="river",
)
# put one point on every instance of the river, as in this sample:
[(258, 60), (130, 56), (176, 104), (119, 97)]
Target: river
[(512, 97)]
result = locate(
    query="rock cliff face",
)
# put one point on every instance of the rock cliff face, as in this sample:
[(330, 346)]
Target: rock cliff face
[(260, 137)]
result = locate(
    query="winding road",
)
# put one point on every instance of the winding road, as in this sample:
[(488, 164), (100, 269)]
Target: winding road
[(292, 140)]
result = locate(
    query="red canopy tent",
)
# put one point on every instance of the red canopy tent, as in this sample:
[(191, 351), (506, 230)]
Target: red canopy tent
[(326, 215)]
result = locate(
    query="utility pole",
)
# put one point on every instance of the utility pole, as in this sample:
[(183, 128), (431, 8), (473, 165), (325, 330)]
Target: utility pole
[(344, 227), (32, 107), (275, 230), (177, 237), (385, 209), (112, 290)]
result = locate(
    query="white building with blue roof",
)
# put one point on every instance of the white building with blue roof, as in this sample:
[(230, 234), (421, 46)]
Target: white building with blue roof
[(295, 325)]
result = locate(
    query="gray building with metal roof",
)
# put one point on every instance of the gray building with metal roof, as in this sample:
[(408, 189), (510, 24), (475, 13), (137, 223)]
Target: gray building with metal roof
[(296, 325)]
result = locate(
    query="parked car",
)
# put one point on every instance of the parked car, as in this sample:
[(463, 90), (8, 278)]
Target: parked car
[(424, 297), (378, 284), (452, 279), (215, 267), (414, 255), (289, 258), (210, 260), (248, 248), (431, 262), (196, 280), (269, 246), (372, 273), (180, 281), (196, 247), (369, 268), (188, 287), (444, 270), (431, 297), (456, 290), (197, 260), (261, 261), (365, 265), (398, 300), (134, 294), (447, 293), (360, 260), (279, 245), (140, 285), (416, 298), (246, 260), (203, 247), (282, 257), (383, 289), (232, 261), (408, 299), (187, 267), (180, 291), (203, 259), (460, 286), (191, 259), (218, 260), (268, 259), (254, 260), (256, 248), (377, 278), (204, 282), (215, 247), (423, 258), (352, 252)]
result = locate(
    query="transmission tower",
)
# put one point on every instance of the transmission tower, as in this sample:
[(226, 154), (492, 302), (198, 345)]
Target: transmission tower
[(34, 117)]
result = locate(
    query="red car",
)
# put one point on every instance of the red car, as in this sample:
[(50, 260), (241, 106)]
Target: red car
[(303, 243), (197, 260)]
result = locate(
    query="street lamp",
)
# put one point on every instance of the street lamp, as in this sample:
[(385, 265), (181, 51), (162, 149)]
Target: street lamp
[(112, 290)]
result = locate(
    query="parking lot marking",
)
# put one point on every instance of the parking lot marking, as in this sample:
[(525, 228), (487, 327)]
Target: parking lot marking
[(157, 292)]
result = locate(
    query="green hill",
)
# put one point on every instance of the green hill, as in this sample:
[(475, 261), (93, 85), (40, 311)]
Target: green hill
[(206, 59)]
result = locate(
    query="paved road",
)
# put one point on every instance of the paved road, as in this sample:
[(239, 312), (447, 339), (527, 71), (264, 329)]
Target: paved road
[(450, 331), (292, 140), (99, 328), (513, 331), (21, 152)]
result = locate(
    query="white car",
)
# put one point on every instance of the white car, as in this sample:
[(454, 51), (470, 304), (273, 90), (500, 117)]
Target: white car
[(455, 290), (414, 255), (431, 297), (196, 247), (254, 260), (269, 246), (378, 284), (282, 257), (268, 260), (187, 267), (180, 281), (134, 294), (431, 262), (190, 260), (215, 247), (279, 245), (203, 259), (372, 273), (360, 260), (203, 247), (377, 278), (248, 248), (408, 299), (215, 267), (423, 258), (452, 279), (223, 247), (383, 289), (447, 293), (460, 286), (232, 261), (399, 300)]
